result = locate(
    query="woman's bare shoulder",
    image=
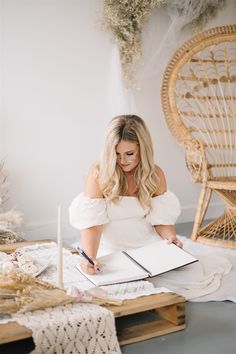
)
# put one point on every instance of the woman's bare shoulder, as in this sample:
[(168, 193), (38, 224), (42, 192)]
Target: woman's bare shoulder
[(162, 186), (91, 183)]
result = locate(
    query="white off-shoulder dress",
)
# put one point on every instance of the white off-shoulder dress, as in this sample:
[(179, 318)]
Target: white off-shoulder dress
[(126, 223)]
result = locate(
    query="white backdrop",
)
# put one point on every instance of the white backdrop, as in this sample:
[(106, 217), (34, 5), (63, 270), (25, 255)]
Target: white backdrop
[(59, 87)]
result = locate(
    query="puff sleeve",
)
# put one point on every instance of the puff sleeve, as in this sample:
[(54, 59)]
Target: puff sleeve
[(165, 209), (86, 212)]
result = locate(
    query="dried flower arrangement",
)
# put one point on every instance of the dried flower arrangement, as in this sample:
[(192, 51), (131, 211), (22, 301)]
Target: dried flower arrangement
[(10, 220), (125, 19)]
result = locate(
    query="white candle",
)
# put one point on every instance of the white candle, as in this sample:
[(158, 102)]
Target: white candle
[(59, 250)]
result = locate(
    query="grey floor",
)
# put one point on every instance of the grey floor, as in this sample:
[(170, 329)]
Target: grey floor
[(211, 328)]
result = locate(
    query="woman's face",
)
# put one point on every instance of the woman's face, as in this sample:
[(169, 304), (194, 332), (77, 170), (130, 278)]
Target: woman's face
[(128, 156)]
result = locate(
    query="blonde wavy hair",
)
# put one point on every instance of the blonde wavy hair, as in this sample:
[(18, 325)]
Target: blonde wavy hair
[(111, 178)]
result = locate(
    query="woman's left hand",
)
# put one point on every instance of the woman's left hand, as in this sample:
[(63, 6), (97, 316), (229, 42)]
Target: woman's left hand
[(175, 240), (167, 232)]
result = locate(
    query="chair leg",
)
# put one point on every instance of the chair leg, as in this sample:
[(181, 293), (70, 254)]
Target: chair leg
[(221, 231), (202, 206)]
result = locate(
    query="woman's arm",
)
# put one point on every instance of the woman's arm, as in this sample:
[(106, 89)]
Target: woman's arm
[(165, 231), (90, 237)]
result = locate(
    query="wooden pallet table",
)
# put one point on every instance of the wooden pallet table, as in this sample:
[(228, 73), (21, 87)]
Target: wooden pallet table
[(169, 307)]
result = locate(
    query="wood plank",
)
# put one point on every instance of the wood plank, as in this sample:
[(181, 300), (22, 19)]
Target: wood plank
[(13, 331), (174, 313), (11, 247), (146, 303), (145, 331)]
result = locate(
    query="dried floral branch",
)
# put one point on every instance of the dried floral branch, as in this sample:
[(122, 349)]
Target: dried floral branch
[(125, 19), (10, 220)]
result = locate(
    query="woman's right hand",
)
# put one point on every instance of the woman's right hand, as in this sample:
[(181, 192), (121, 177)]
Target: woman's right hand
[(88, 267)]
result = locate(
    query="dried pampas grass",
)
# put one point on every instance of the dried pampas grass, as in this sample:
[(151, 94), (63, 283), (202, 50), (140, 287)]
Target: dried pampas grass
[(20, 292), (9, 221)]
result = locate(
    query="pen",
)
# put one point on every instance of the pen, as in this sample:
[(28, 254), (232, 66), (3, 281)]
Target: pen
[(84, 254)]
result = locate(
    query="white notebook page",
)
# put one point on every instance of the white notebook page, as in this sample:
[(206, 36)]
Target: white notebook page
[(160, 257), (116, 268)]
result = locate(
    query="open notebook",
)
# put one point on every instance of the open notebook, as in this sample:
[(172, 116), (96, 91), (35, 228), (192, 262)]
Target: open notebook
[(140, 263)]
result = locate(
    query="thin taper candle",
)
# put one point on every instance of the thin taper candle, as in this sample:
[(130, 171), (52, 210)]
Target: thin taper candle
[(59, 249)]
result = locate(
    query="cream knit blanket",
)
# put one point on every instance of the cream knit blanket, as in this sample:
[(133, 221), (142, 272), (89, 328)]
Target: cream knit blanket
[(71, 329)]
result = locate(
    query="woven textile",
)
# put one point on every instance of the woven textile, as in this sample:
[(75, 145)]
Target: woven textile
[(71, 329)]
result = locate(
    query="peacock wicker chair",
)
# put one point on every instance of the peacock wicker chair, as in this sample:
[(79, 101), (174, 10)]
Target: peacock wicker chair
[(199, 104)]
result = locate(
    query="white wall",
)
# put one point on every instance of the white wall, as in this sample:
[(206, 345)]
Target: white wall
[(58, 93)]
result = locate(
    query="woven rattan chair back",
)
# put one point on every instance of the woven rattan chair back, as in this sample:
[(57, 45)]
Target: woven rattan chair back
[(199, 103)]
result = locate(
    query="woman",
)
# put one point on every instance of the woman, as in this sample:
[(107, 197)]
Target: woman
[(125, 202)]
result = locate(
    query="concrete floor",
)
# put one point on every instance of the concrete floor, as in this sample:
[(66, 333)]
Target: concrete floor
[(211, 328)]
